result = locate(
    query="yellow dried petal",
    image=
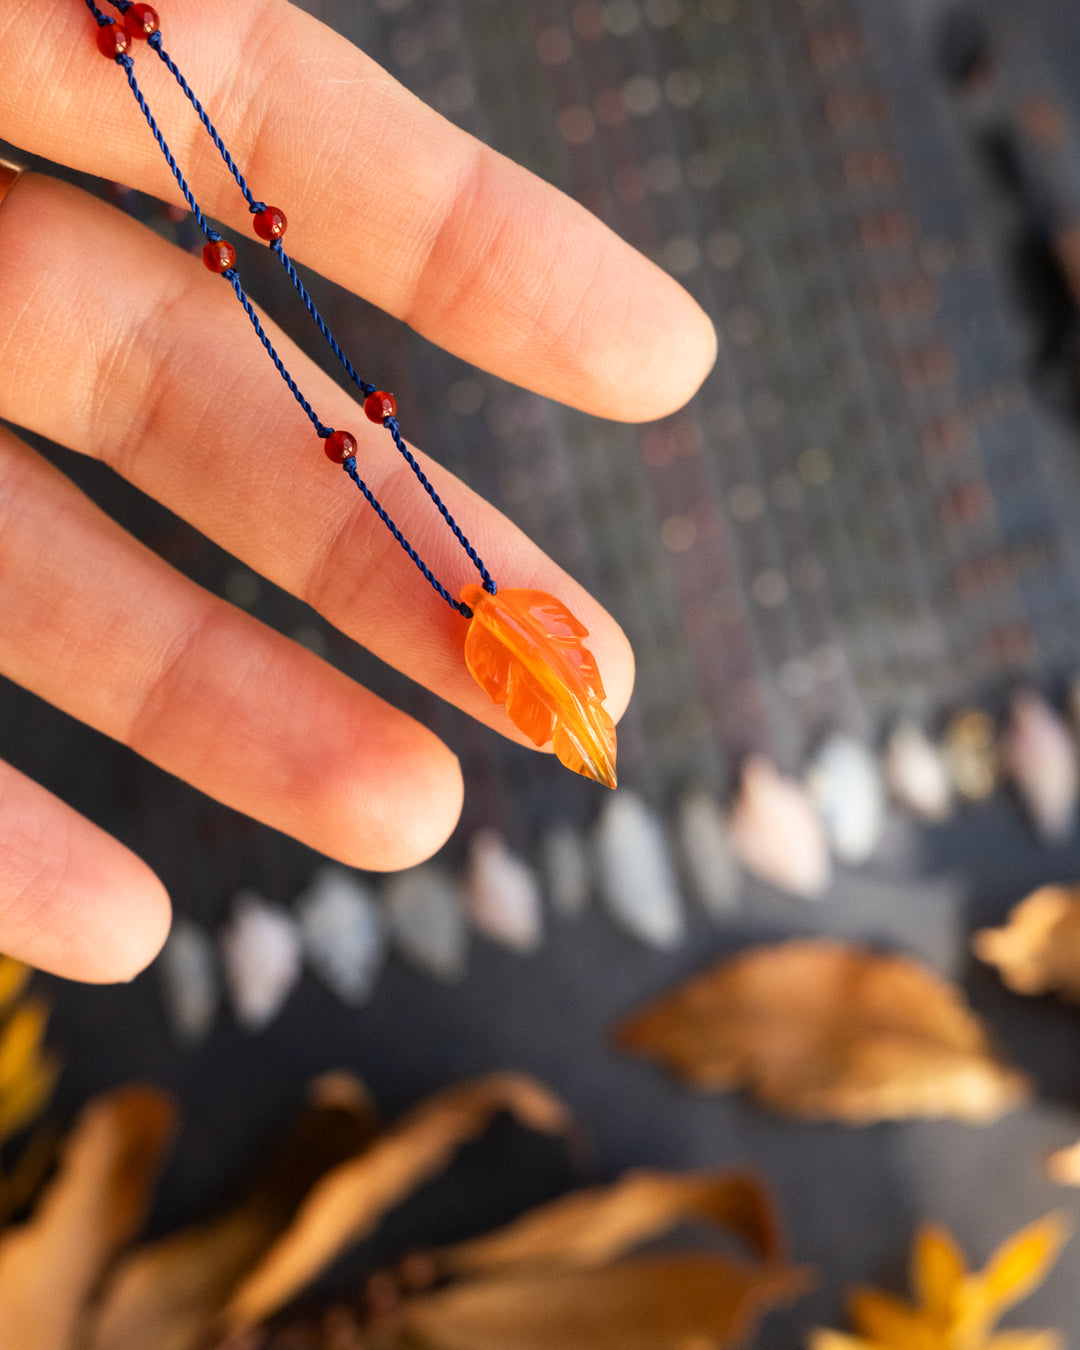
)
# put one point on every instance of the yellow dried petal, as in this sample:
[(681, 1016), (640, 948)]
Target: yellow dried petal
[(1017, 1267), (28, 1097), (14, 977), (891, 1323), (938, 1269), (20, 1043), (1026, 1340), (822, 1339)]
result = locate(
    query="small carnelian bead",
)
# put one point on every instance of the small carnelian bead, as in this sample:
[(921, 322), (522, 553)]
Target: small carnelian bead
[(218, 255), (141, 21), (112, 40), (270, 223), (340, 446), (380, 405)]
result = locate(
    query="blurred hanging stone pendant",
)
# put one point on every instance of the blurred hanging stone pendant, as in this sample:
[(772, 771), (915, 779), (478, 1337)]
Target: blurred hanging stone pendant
[(971, 754), (260, 947), (1040, 755), (525, 649), (503, 894), (566, 870), (846, 788), (636, 876), (916, 774), (344, 934), (191, 985), (427, 921), (776, 831), (708, 854)]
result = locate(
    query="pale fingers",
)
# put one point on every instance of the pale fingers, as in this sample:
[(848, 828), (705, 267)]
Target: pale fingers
[(73, 901), (123, 347), (383, 195), (101, 627)]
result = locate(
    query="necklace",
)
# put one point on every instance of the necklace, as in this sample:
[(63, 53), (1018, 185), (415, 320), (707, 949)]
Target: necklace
[(523, 647)]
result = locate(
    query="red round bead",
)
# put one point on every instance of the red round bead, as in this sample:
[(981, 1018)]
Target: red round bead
[(141, 21), (218, 255), (380, 405), (270, 223), (112, 40), (340, 446)]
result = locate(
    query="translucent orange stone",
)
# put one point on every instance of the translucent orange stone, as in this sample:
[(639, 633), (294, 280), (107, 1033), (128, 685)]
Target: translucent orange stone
[(141, 21), (112, 40), (218, 255), (525, 649), (380, 405), (270, 223), (339, 446)]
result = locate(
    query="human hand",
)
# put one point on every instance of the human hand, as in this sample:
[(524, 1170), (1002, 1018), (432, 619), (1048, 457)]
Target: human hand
[(120, 346)]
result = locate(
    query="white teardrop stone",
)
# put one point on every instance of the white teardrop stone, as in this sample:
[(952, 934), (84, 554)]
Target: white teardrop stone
[(260, 946), (776, 831), (503, 894), (707, 852), (191, 983), (846, 786), (566, 870), (344, 933), (916, 773), (1040, 755), (637, 880), (427, 921)]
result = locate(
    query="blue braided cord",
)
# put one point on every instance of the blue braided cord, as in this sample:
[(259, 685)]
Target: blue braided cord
[(249, 309), (128, 67), (390, 423), (332, 341), (233, 279), (231, 275), (349, 466), (255, 207), (154, 41)]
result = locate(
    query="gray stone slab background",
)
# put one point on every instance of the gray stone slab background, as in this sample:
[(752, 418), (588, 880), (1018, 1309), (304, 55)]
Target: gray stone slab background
[(748, 193)]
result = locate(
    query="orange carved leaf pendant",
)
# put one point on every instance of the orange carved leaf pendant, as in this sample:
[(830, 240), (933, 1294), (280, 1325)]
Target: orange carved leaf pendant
[(525, 649)]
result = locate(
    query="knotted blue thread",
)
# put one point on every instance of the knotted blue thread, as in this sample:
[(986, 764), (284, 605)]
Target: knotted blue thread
[(211, 234), (125, 61)]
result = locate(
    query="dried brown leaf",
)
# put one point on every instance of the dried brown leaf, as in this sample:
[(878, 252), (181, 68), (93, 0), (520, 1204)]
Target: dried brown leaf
[(593, 1227), (824, 1030), (1038, 949), (350, 1200), (27, 1172), (692, 1301), (165, 1295), (51, 1265)]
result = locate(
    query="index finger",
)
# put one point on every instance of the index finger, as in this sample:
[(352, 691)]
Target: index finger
[(383, 195)]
